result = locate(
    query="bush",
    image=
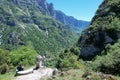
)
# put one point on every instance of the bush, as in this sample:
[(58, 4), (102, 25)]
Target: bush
[(75, 50), (23, 55), (110, 62), (96, 78), (3, 56), (68, 60), (4, 68), (10, 20), (4, 59)]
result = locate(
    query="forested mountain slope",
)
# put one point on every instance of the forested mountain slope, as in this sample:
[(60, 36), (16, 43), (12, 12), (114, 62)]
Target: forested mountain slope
[(27, 22)]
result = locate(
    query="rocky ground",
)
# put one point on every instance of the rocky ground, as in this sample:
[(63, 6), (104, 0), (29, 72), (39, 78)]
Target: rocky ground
[(36, 75)]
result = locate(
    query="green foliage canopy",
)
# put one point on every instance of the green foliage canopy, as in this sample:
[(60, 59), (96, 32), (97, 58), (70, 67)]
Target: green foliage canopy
[(23, 55)]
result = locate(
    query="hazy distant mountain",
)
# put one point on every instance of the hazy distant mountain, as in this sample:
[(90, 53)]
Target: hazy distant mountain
[(73, 23)]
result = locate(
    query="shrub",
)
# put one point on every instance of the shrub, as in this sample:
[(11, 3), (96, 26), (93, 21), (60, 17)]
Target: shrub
[(3, 56), (96, 78), (68, 60), (75, 50), (110, 62), (4, 68), (10, 20), (23, 55)]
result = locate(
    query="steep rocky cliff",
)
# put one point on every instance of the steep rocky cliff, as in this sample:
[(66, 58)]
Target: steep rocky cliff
[(74, 24), (48, 9), (104, 29)]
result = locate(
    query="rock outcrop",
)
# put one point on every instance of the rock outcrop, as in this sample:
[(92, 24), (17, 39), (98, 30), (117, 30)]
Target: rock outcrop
[(103, 30), (14, 39), (93, 43)]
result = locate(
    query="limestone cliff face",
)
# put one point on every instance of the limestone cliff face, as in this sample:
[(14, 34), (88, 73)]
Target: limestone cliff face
[(92, 43), (51, 9), (104, 29), (73, 23)]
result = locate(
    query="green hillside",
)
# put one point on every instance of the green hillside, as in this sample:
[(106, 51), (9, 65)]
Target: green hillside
[(24, 24)]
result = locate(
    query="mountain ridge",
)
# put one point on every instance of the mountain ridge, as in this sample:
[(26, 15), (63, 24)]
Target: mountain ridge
[(48, 9), (23, 23)]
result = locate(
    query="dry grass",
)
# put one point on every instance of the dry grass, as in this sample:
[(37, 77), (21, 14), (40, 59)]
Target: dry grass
[(69, 75), (75, 74), (7, 76)]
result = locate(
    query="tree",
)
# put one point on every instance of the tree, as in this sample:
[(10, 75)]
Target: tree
[(23, 55)]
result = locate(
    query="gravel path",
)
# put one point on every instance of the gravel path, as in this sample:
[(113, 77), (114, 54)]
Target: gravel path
[(36, 75)]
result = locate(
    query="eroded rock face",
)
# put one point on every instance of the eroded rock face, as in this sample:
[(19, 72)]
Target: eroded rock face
[(93, 43), (60, 16), (51, 9), (0, 39), (89, 50), (1, 35), (44, 6), (103, 29), (14, 39)]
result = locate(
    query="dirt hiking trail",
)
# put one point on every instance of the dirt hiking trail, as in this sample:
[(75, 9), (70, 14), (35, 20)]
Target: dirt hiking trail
[(36, 75)]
